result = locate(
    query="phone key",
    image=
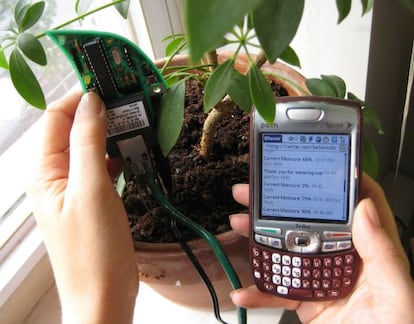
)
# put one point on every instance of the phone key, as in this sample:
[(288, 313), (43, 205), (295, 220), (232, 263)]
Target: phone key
[(348, 270), (344, 245), (257, 274), (266, 255), (327, 262), (349, 259), (307, 262), (277, 280), (267, 266), (296, 272), (286, 271), (327, 273), (306, 273), (334, 293), (346, 281), (329, 246), (320, 293), (256, 252), (268, 287), (296, 282), (317, 263), (316, 273), (306, 283), (316, 284), (336, 235), (286, 260), (275, 242), (267, 277), (296, 261), (337, 272), (326, 284), (261, 239), (277, 269), (301, 292), (282, 290), (336, 283), (286, 281), (338, 261), (270, 230), (276, 258)]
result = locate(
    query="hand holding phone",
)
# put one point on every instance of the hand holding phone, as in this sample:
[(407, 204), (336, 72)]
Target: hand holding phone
[(304, 186)]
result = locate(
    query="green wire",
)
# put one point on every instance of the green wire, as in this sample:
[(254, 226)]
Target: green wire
[(206, 235)]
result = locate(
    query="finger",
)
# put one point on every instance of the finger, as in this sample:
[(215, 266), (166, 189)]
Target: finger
[(241, 193), (378, 251), (371, 189), (240, 223), (58, 123), (88, 143), (251, 297)]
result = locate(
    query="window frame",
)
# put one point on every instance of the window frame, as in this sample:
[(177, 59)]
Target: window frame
[(21, 245)]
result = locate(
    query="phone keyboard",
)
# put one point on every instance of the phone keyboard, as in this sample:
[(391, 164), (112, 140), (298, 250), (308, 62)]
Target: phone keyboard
[(305, 277)]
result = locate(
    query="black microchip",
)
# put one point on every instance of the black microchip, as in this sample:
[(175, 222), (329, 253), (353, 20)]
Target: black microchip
[(99, 65)]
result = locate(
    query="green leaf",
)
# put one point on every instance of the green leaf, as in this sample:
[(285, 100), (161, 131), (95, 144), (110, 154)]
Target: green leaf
[(371, 118), (351, 96), (217, 85), (174, 45), (261, 94), (32, 48), (289, 56), (123, 8), (20, 10), (366, 6), (319, 87), (369, 115), (370, 162), (25, 81), (239, 90), (337, 83), (207, 21), (32, 15), (170, 116), (344, 8), (3, 60), (82, 6), (276, 23)]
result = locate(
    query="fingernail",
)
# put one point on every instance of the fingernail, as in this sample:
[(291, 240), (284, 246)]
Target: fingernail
[(90, 105), (372, 213)]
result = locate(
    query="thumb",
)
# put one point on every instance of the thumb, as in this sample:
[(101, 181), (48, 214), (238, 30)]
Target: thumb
[(87, 140), (383, 259)]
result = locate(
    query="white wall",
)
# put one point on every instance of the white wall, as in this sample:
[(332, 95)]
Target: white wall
[(327, 48)]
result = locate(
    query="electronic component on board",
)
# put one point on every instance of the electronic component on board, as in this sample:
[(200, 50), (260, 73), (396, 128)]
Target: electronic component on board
[(131, 87)]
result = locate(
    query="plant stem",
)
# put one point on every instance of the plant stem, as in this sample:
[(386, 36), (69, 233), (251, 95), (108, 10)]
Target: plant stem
[(82, 16), (212, 60), (218, 113), (71, 20), (210, 125)]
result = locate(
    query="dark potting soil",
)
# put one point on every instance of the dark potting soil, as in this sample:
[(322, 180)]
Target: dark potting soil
[(201, 188)]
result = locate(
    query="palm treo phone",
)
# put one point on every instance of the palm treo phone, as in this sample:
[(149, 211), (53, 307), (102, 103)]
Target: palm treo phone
[(304, 182)]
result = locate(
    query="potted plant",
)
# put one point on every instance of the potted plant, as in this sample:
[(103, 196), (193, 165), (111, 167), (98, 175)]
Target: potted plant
[(273, 22)]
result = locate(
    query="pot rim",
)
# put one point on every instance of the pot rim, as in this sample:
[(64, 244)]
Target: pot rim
[(225, 238)]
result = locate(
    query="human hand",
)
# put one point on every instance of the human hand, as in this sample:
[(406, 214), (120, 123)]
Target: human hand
[(80, 215), (384, 292)]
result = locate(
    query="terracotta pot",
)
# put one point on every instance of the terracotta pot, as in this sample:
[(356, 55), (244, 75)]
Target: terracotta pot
[(166, 268)]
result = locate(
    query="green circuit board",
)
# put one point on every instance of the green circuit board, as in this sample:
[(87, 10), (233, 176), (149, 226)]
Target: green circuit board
[(110, 65)]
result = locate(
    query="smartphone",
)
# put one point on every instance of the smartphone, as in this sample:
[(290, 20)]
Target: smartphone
[(304, 179)]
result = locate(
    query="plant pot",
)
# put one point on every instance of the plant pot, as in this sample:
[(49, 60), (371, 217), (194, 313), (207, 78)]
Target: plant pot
[(166, 268)]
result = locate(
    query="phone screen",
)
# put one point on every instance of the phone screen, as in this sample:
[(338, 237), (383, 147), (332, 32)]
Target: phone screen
[(305, 176)]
